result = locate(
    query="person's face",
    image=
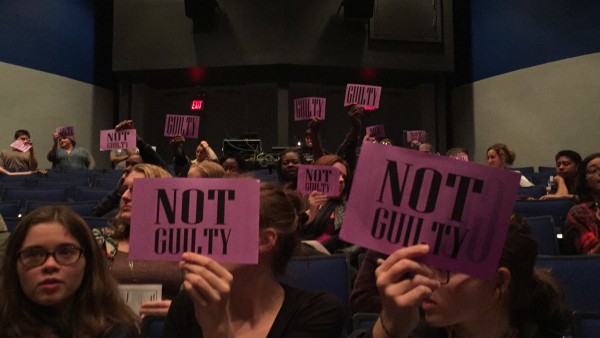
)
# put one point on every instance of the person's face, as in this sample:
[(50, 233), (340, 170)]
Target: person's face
[(289, 165), (231, 165), (125, 210), (565, 167), (464, 299), (494, 160), (592, 175), (200, 154), (50, 284), (65, 142), (24, 138), (343, 175)]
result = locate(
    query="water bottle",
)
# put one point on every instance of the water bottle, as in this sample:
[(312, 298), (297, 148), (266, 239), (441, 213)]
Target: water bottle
[(550, 185)]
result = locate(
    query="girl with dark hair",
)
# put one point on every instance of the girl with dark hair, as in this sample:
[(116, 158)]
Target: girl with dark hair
[(55, 282), (234, 300), (583, 220), (287, 168), (519, 302), (323, 220)]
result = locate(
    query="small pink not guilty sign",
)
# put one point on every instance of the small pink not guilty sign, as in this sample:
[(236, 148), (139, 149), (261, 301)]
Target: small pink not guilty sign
[(112, 139), (376, 131), (402, 197), (184, 125), (416, 135), (21, 146), (65, 131), (362, 95), (325, 179), (213, 217), (307, 108)]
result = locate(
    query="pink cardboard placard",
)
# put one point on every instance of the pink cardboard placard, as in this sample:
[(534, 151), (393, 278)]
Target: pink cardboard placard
[(184, 125), (362, 95), (65, 131), (21, 146), (401, 197), (376, 131), (325, 179), (307, 108), (112, 139), (416, 135), (213, 217)]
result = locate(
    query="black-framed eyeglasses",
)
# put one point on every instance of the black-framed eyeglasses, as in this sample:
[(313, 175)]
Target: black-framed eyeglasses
[(442, 276), (64, 254)]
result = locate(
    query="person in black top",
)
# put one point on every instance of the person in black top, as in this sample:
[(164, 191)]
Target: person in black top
[(232, 300)]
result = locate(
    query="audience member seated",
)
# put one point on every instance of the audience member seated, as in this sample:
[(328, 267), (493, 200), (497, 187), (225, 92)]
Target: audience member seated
[(583, 219), (325, 215), (234, 164), (56, 283), (235, 300), (499, 156), (206, 169), (518, 302), (567, 164), (458, 153), (287, 168), (69, 156), (148, 154), (182, 163), (114, 241), (16, 160), (426, 148), (118, 157)]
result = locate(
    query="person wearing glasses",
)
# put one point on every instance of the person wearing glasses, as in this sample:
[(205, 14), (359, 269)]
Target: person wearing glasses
[(55, 283), (519, 302), (583, 219)]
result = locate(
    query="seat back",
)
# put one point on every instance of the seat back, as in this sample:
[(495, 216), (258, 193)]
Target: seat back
[(153, 325), (320, 273), (586, 324), (558, 209), (58, 194), (544, 231), (9, 209), (524, 170), (90, 194), (536, 191), (81, 208), (579, 276)]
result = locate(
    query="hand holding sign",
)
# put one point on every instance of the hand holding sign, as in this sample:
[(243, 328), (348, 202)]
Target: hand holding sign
[(208, 284), (402, 197)]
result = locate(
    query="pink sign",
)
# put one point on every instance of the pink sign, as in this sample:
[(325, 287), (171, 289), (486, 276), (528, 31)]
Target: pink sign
[(376, 131), (460, 157), (65, 131), (307, 108), (402, 197), (112, 139), (362, 95), (325, 179), (21, 146), (184, 125), (212, 217), (416, 135)]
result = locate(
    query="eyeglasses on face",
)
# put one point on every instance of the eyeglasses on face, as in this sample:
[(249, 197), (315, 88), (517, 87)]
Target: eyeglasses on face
[(592, 170), (64, 254)]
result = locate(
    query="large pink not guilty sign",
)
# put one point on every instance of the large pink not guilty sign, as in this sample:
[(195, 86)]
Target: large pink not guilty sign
[(402, 197), (214, 217)]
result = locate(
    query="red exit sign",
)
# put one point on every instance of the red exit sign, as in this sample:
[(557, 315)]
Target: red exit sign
[(197, 105)]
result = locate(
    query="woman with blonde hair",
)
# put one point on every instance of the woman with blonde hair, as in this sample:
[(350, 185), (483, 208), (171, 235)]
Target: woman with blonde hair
[(114, 241)]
